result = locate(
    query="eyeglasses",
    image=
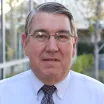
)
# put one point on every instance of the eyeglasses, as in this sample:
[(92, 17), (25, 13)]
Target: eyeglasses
[(43, 36)]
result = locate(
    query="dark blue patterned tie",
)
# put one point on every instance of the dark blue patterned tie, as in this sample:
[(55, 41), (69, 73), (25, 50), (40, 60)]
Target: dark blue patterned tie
[(48, 91)]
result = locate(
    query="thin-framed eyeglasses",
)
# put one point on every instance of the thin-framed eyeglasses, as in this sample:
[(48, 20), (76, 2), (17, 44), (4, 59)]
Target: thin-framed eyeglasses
[(43, 36)]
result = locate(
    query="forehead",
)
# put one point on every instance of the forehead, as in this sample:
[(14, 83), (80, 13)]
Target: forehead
[(43, 20)]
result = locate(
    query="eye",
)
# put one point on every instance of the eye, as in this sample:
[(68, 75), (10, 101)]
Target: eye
[(62, 37), (40, 36)]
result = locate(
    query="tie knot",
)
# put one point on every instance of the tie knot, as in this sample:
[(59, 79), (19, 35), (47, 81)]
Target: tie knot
[(48, 89)]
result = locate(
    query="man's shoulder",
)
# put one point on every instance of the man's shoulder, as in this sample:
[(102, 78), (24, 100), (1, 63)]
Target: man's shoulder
[(15, 80), (87, 81)]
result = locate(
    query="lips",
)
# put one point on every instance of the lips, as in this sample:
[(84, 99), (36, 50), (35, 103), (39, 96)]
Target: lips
[(51, 59)]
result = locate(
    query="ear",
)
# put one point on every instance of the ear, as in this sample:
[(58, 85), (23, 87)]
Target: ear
[(24, 42), (75, 41), (74, 45)]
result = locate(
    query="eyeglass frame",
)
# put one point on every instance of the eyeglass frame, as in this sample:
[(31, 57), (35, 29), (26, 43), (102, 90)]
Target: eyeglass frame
[(55, 35)]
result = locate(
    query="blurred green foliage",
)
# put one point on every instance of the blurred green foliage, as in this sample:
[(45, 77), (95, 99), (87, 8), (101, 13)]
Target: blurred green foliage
[(83, 62)]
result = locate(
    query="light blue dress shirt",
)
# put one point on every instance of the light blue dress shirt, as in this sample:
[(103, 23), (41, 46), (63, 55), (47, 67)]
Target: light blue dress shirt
[(74, 89)]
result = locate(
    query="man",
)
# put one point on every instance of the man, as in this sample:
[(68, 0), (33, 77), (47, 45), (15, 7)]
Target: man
[(49, 42)]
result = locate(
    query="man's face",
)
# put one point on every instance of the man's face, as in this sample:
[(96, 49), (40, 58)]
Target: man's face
[(50, 61)]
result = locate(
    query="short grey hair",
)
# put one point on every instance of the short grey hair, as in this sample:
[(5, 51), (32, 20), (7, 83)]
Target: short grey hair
[(50, 7)]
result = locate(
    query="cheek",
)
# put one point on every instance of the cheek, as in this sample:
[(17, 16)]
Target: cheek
[(35, 51), (34, 56), (67, 54), (68, 51)]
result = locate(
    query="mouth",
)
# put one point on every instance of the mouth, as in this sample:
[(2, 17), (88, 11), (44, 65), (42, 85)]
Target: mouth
[(51, 59)]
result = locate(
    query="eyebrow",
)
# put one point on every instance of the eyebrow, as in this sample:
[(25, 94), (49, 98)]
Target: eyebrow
[(60, 31), (64, 31), (39, 30)]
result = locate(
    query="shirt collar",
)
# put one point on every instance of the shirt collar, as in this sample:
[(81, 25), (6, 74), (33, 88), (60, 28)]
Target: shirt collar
[(61, 86), (36, 83)]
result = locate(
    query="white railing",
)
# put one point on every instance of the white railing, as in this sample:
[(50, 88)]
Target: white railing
[(4, 66), (13, 63)]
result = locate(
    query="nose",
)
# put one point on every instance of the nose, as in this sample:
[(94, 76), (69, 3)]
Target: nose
[(52, 45)]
